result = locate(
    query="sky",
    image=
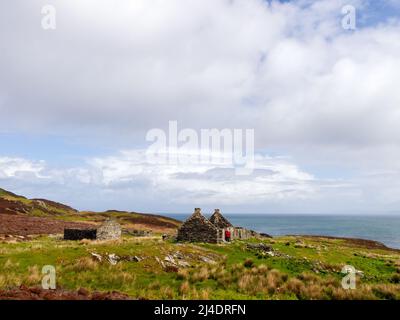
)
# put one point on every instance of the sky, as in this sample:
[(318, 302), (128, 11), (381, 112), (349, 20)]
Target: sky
[(78, 101)]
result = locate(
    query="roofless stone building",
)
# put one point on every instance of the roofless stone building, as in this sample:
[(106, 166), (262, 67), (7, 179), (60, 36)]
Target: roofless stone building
[(197, 228), (109, 230)]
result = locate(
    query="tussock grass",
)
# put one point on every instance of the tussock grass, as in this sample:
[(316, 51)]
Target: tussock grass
[(85, 264), (238, 273), (34, 276)]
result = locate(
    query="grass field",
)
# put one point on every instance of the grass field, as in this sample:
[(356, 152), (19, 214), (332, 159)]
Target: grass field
[(150, 268)]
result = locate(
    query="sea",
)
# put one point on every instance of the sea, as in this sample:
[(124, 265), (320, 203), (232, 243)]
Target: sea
[(382, 228)]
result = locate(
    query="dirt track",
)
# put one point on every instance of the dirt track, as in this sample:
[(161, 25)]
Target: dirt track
[(23, 225)]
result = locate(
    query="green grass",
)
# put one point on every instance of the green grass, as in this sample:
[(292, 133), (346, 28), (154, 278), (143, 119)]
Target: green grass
[(307, 270)]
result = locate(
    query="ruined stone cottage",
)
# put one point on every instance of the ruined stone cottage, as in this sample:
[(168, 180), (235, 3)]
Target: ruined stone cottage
[(109, 230), (197, 228)]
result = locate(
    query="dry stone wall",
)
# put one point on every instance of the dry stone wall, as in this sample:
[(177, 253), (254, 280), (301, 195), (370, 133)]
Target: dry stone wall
[(79, 234)]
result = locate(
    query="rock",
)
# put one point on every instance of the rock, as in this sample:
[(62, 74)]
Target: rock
[(160, 262), (113, 259), (170, 259), (259, 247), (360, 273), (265, 235), (137, 259), (97, 257), (178, 255), (183, 263), (207, 260)]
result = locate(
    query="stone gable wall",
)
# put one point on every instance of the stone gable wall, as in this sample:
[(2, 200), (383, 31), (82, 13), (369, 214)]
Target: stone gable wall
[(218, 220), (109, 230), (198, 229)]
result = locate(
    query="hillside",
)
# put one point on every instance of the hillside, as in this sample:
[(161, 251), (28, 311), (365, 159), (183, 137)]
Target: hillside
[(22, 216), (150, 268)]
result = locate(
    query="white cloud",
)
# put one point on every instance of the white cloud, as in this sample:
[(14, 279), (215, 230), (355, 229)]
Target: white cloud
[(212, 183), (126, 181), (112, 71), (209, 183), (287, 70), (19, 168)]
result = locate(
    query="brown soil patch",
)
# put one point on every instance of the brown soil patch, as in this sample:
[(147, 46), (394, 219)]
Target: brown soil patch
[(25, 293), (369, 244), (12, 207), (22, 225), (54, 204), (151, 221)]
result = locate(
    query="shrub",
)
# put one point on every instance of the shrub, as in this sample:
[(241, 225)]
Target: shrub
[(274, 280), (167, 293), (295, 286), (205, 294), (248, 263), (385, 291), (182, 274), (184, 288), (262, 269), (34, 276), (201, 275), (171, 268), (84, 264), (395, 278), (245, 282)]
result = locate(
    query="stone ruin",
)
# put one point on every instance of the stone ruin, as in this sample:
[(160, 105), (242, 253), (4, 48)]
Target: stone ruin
[(109, 230), (138, 233), (79, 234), (218, 220), (198, 228)]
